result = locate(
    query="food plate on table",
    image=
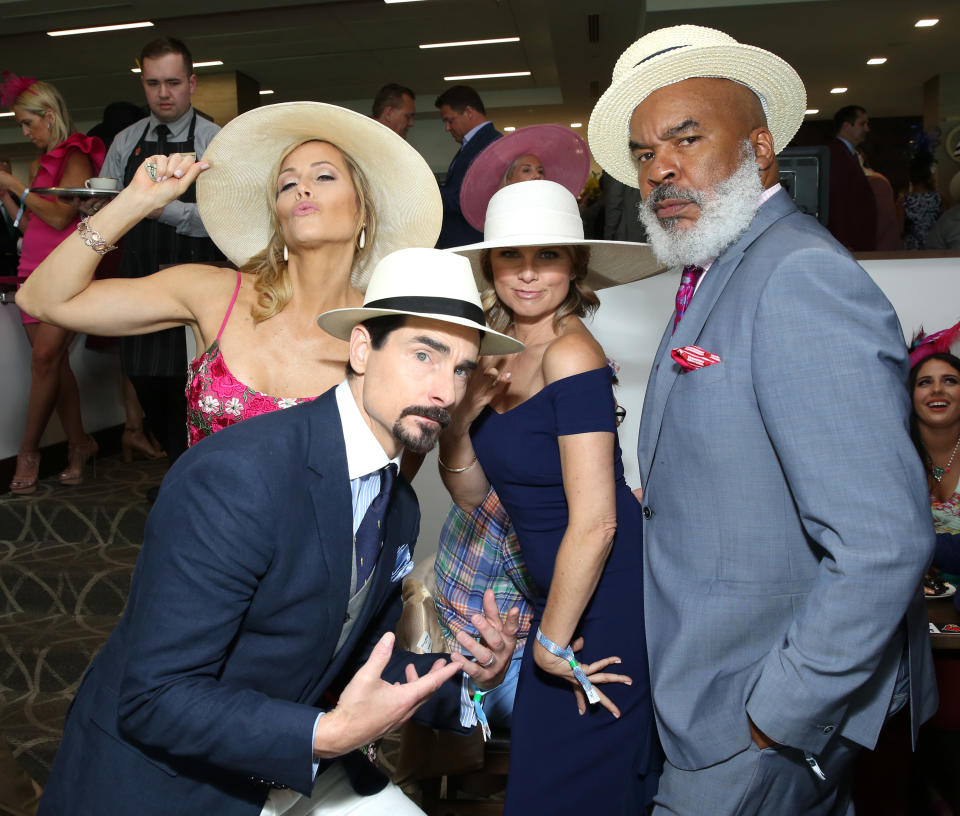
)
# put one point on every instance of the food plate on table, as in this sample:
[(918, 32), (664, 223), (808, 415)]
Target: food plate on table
[(69, 192), (941, 589)]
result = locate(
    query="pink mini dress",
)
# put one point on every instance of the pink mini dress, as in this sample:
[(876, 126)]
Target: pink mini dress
[(39, 238), (217, 399)]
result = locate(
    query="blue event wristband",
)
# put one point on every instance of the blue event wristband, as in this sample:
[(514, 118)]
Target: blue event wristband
[(567, 654)]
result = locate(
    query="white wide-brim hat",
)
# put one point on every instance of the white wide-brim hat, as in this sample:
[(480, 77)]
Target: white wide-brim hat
[(544, 213), (428, 283), (674, 54), (234, 200), (564, 154)]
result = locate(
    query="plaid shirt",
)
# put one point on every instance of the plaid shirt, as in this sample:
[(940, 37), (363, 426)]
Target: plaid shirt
[(477, 551)]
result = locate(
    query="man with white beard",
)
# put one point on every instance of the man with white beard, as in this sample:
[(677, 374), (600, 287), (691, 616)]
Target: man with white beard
[(786, 518)]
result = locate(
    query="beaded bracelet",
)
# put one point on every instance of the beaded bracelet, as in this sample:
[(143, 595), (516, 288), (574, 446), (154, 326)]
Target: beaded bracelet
[(92, 238), (456, 470), (567, 654)]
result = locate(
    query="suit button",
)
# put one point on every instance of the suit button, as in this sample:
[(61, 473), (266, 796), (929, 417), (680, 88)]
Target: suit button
[(346, 617), (647, 513), (828, 729)]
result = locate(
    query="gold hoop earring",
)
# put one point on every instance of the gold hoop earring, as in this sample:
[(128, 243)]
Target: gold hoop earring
[(286, 254), (362, 241)]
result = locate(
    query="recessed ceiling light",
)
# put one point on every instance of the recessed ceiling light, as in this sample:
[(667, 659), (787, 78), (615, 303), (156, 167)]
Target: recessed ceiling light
[(576, 124), (469, 42), (932, 21), (7, 114), (401, 1), (838, 90), (811, 111), (505, 130), (266, 92), (876, 60), (487, 76), (68, 32), (207, 64)]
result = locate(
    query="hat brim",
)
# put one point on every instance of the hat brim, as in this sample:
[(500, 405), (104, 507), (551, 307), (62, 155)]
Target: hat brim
[(565, 157), (340, 323), (234, 202), (778, 85), (612, 263)]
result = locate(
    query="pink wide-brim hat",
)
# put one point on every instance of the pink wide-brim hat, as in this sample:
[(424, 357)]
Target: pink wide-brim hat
[(565, 157)]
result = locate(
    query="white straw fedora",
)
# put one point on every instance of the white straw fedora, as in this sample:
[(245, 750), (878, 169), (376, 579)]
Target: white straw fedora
[(544, 213), (430, 283), (565, 157), (234, 202), (674, 54)]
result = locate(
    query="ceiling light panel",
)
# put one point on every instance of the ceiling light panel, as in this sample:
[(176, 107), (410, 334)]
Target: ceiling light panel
[(460, 43)]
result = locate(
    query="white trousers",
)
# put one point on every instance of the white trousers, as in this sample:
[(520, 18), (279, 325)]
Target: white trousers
[(333, 796)]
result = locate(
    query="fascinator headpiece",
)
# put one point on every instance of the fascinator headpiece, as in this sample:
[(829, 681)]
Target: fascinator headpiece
[(11, 86), (923, 345)]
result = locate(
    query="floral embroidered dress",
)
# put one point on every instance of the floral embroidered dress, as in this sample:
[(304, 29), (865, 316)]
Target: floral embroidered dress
[(946, 515), (217, 399)]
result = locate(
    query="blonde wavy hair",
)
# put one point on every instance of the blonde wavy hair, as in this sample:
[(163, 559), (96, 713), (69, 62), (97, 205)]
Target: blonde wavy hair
[(273, 285), (580, 301), (42, 97)]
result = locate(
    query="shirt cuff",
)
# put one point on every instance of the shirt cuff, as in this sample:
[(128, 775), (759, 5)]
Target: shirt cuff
[(316, 762)]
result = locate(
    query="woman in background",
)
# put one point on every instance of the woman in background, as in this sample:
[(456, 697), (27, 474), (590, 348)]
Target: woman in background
[(67, 159)]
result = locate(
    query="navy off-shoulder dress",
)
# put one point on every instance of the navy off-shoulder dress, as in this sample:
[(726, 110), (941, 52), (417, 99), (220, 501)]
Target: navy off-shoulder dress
[(561, 762)]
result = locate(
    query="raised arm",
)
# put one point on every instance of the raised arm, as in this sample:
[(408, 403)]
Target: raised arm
[(459, 469), (62, 290)]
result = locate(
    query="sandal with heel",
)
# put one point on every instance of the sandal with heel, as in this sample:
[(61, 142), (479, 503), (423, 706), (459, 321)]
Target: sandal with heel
[(28, 471), (77, 457), (134, 441)]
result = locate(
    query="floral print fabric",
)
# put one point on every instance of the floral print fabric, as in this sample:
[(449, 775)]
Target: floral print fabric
[(216, 399)]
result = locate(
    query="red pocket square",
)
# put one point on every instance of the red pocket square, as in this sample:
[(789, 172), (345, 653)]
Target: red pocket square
[(693, 357)]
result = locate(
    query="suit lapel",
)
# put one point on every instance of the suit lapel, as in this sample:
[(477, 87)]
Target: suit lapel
[(665, 371)]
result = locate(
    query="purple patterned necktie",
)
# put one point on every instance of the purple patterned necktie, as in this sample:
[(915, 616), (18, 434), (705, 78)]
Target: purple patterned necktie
[(688, 283)]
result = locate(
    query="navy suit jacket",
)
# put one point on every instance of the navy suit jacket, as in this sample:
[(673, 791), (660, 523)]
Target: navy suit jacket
[(456, 230), (206, 693)]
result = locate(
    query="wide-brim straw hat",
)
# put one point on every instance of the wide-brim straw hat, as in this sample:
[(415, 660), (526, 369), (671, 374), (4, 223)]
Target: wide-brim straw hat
[(565, 157), (674, 54), (428, 283), (544, 213), (235, 203)]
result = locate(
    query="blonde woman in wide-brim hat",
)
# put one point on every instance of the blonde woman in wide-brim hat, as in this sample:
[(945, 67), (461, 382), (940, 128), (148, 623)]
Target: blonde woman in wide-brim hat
[(539, 428), (304, 198)]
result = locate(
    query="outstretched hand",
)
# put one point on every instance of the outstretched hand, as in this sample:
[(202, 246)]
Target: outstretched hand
[(494, 651), (595, 673), (370, 707)]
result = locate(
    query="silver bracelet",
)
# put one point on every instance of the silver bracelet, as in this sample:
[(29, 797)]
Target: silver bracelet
[(92, 238), (456, 470)]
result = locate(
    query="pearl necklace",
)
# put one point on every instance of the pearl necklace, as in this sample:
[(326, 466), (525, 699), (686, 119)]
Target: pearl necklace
[(938, 472)]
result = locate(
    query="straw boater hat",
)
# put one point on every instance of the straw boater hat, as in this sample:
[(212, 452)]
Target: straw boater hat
[(564, 154), (428, 283), (674, 54), (544, 213), (234, 200)]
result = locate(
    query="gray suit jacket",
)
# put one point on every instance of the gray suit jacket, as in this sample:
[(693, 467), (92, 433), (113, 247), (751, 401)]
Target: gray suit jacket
[(787, 523)]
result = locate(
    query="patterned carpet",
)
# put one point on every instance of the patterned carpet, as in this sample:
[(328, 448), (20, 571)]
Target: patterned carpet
[(66, 557)]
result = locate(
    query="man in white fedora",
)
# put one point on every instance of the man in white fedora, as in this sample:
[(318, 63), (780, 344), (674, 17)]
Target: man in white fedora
[(787, 525), (253, 658)]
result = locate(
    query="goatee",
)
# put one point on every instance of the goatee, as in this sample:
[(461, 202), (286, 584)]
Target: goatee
[(425, 437)]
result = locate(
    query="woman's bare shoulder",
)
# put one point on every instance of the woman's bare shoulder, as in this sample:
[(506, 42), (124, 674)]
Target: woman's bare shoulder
[(573, 352)]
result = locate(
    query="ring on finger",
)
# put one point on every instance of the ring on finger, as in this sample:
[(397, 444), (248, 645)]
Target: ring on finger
[(151, 169), (490, 662)]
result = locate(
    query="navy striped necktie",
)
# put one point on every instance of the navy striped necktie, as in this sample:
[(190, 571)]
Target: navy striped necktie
[(371, 532)]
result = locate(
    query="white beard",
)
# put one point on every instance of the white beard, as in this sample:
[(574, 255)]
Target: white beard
[(725, 213)]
